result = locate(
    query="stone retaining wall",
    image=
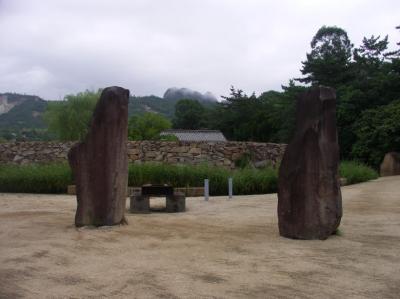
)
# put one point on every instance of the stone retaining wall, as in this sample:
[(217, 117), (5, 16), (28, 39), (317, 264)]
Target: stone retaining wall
[(173, 152)]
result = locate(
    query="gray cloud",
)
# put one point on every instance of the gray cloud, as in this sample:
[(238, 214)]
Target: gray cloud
[(51, 48)]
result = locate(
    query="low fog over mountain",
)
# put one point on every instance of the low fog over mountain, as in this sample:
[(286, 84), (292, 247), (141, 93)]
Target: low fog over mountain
[(174, 93)]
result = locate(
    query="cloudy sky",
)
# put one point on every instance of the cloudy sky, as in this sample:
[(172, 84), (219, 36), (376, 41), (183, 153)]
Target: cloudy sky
[(54, 47)]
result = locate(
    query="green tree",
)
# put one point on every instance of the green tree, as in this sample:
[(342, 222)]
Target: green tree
[(365, 78), (281, 111), (378, 132), (375, 81), (189, 114), (269, 117), (235, 116), (329, 59), (69, 119), (147, 126)]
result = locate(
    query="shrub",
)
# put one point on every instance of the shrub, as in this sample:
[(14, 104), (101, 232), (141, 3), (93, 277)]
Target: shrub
[(69, 119), (245, 181), (356, 172), (54, 178), (255, 181), (147, 126), (180, 176), (243, 161), (51, 178), (378, 132)]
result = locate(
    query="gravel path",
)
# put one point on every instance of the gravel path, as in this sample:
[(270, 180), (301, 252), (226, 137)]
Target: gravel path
[(217, 249)]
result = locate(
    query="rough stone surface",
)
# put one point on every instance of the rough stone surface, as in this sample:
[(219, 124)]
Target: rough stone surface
[(391, 164), (309, 197), (139, 204), (100, 164), (223, 154), (176, 203)]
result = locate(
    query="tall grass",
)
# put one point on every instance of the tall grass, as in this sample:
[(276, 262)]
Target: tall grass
[(54, 178), (180, 176), (255, 181), (356, 172), (50, 178)]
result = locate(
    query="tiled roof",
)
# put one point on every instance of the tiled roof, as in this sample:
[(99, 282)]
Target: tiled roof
[(196, 135)]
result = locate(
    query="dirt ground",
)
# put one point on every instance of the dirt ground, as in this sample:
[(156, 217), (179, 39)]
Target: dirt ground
[(217, 249)]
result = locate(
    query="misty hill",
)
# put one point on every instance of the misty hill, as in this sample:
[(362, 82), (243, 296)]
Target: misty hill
[(140, 105), (166, 107), (21, 111), (174, 93)]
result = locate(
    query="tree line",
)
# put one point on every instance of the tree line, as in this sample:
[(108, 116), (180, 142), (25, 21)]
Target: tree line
[(367, 83)]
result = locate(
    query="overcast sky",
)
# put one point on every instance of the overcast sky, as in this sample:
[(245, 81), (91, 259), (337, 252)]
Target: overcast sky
[(54, 47)]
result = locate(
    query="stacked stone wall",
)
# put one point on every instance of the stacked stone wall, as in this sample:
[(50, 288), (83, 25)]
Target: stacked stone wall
[(223, 154)]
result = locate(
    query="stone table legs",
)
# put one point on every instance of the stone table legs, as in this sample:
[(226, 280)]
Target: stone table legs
[(140, 204)]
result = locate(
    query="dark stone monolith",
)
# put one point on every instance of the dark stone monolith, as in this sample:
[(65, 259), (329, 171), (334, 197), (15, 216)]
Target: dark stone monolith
[(390, 164), (99, 163), (309, 197)]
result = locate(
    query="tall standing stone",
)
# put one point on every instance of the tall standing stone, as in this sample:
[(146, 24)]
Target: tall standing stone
[(390, 164), (100, 163), (309, 197)]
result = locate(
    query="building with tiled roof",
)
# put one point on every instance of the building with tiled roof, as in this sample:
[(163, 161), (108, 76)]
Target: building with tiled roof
[(196, 135)]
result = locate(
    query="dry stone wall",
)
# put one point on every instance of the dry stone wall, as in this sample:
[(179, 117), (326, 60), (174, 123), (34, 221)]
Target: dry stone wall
[(222, 154), (34, 152)]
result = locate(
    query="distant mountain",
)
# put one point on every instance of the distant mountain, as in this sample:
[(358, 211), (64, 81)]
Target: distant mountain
[(166, 105), (174, 93), (21, 115), (21, 111), (140, 105)]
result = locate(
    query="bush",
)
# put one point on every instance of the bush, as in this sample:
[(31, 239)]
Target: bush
[(243, 161), (356, 172), (180, 176), (378, 132), (255, 181), (51, 178), (147, 126), (54, 178), (245, 181), (69, 119)]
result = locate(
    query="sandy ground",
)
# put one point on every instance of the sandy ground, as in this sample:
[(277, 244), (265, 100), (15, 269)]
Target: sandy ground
[(217, 249)]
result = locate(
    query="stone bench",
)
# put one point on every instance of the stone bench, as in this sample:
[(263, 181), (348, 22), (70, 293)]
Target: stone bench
[(140, 201)]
